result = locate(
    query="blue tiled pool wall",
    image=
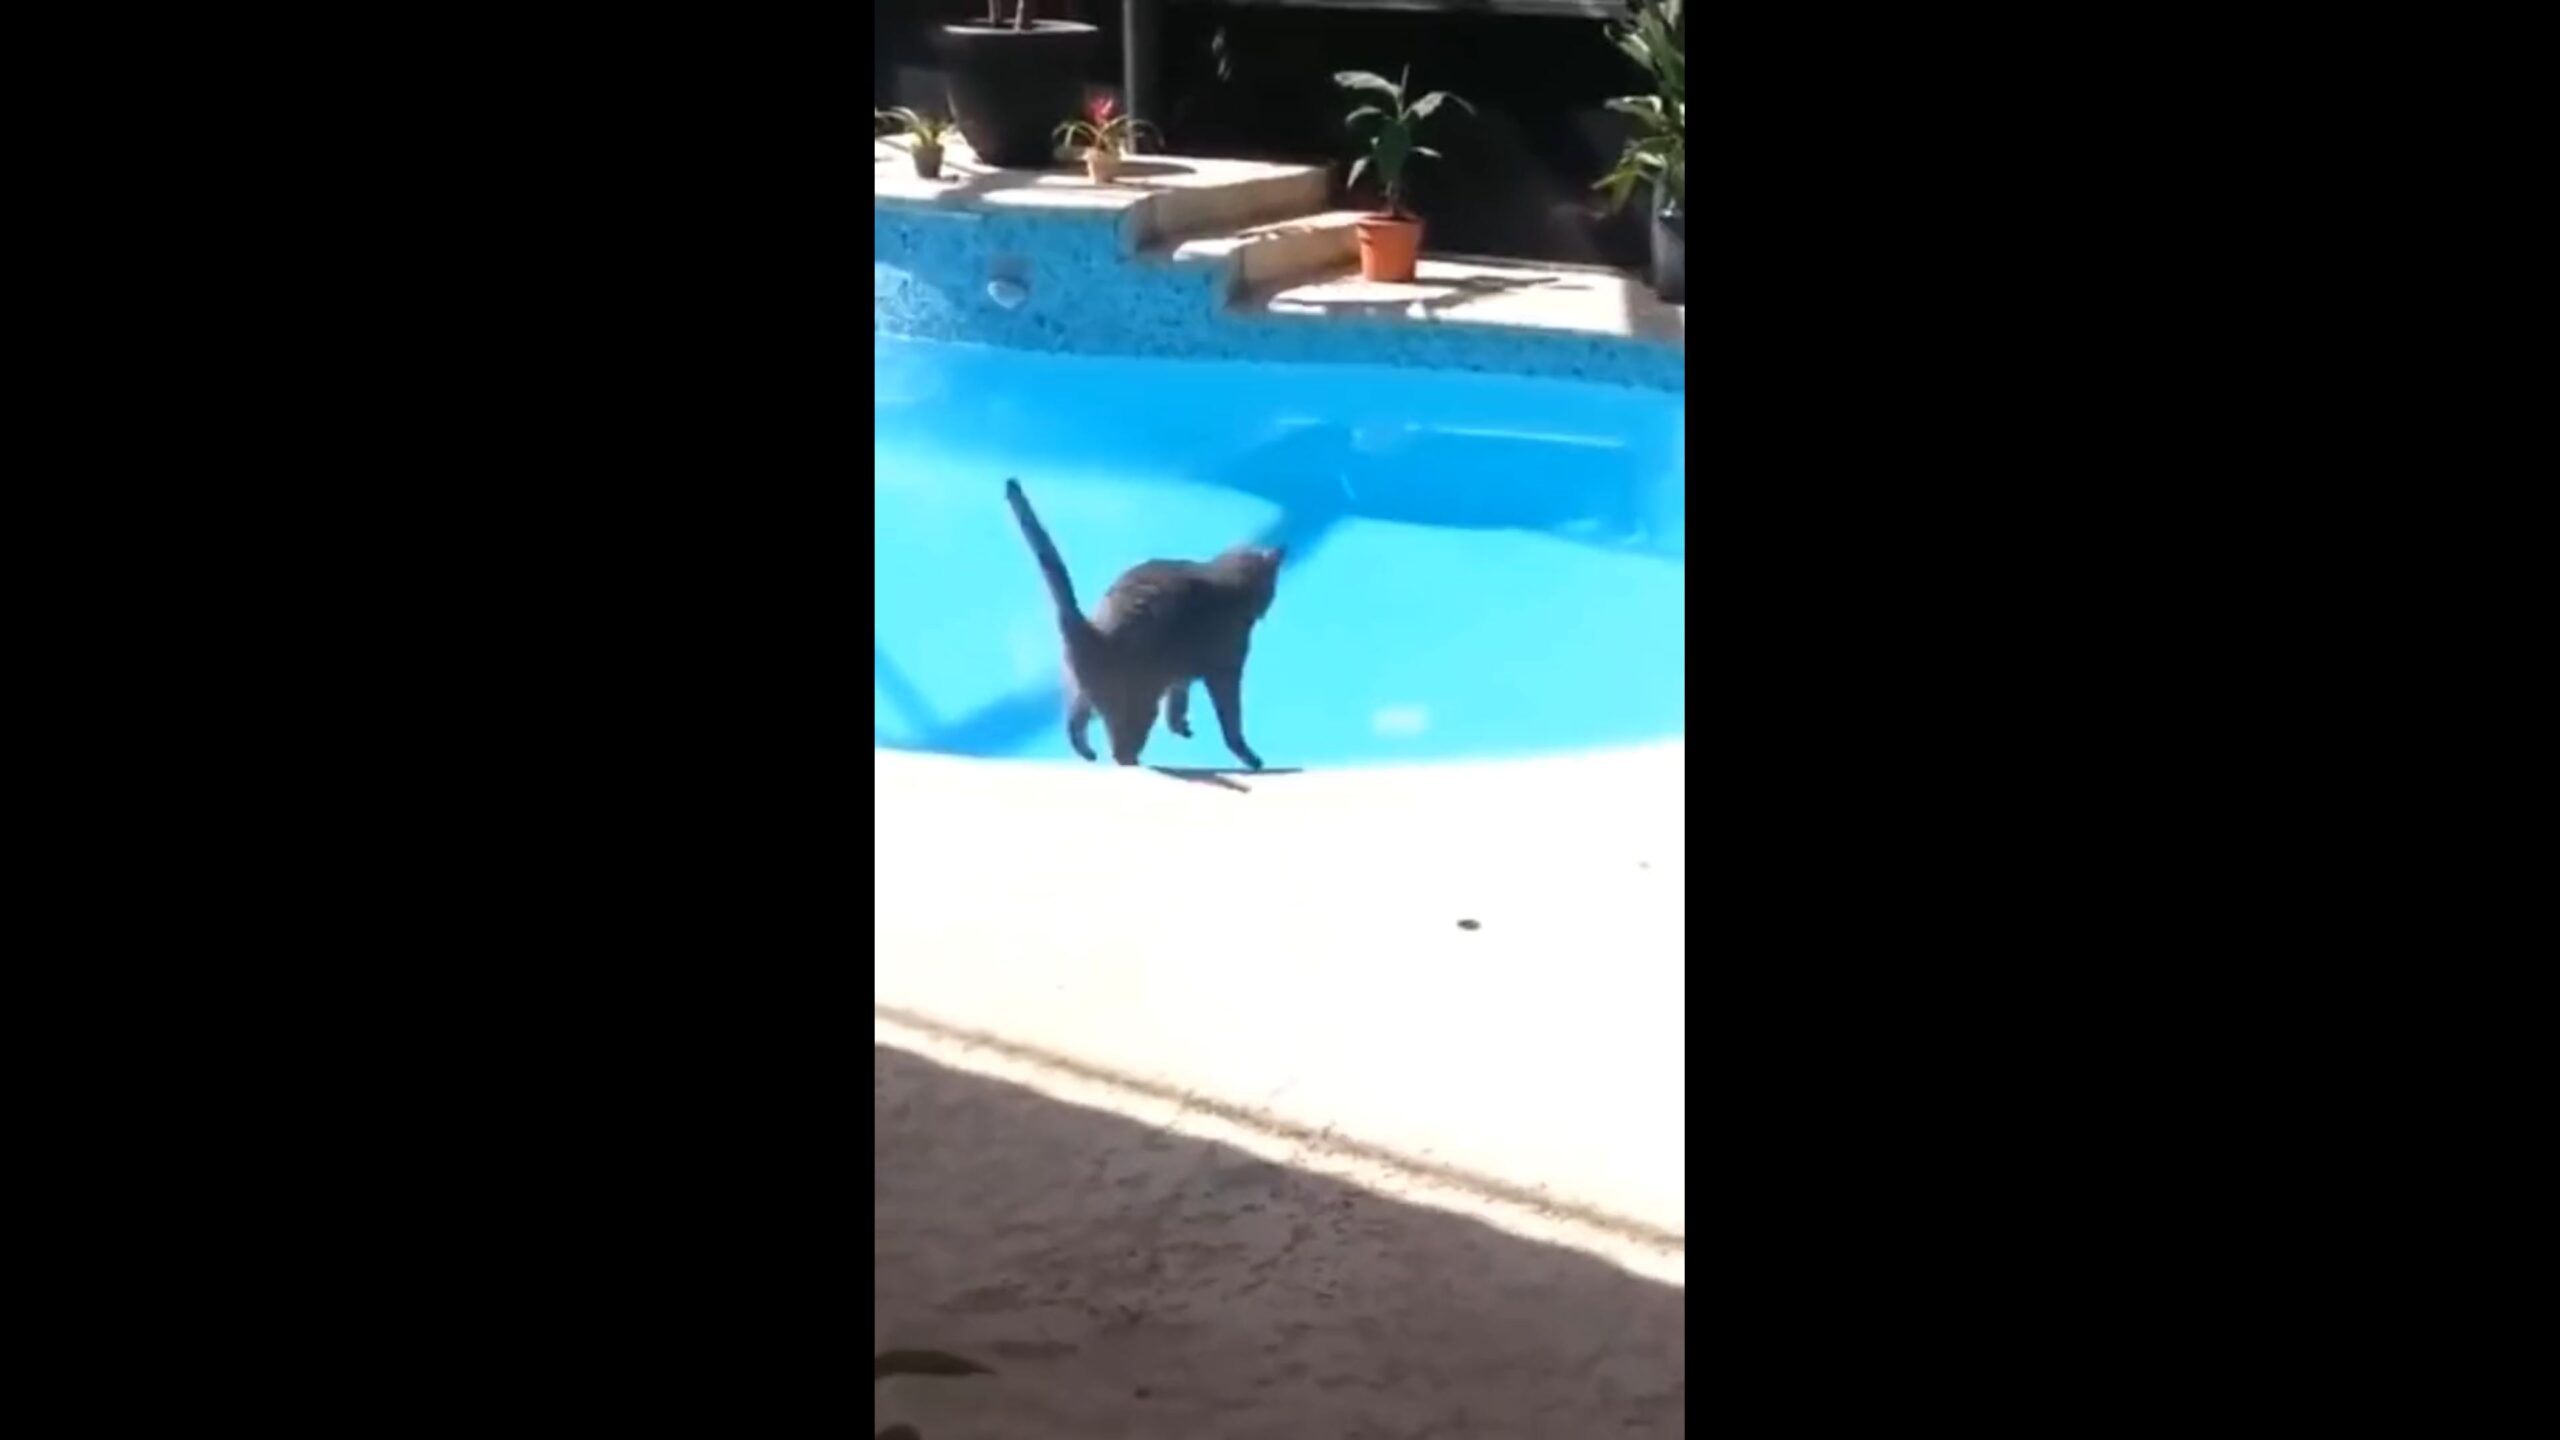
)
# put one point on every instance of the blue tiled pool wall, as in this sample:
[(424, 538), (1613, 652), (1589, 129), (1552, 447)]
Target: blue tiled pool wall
[(1086, 292)]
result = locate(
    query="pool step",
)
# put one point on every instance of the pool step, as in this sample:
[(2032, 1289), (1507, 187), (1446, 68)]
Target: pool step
[(1247, 196), (1468, 290), (1270, 253), (1155, 195)]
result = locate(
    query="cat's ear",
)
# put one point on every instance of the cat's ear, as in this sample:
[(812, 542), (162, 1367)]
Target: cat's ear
[(1279, 553)]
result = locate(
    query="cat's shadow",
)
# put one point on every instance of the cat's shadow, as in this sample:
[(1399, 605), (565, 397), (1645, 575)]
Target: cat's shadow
[(1223, 778)]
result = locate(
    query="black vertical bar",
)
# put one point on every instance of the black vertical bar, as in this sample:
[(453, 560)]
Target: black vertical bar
[(1138, 60)]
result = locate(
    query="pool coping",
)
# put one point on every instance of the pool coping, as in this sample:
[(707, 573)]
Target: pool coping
[(1206, 194), (1586, 301)]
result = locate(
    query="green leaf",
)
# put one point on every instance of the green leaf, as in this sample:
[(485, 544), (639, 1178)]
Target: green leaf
[(1358, 167), (1394, 143), (1423, 107), (1364, 80), (1653, 40), (1365, 112), (1427, 150), (1620, 184)]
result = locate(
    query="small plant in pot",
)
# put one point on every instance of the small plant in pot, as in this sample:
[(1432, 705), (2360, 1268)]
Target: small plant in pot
[(1104, 134), (925, 137), (1656, 157), (1391, 241)]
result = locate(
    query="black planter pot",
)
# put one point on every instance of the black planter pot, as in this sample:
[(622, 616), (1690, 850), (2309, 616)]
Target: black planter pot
[(1011, 89), (1670, 252)]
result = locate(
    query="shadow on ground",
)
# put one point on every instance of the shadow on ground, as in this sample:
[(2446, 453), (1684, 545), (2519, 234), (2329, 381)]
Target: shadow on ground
[(1129, 1283), (1222, 777)]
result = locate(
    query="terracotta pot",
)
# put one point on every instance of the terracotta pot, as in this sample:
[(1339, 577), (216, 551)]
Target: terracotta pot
[(1102, 166), (928, 160), (1388, 246)]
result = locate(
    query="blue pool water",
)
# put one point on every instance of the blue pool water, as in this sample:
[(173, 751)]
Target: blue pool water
[(1479, 565)]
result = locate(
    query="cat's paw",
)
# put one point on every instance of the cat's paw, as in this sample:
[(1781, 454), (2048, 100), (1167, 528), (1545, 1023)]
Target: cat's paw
[(1179, 727), (1251, 760)]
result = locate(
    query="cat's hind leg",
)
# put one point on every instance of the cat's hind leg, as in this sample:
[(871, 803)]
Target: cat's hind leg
[(1079, 721), (1127, 728), (1177, 707)]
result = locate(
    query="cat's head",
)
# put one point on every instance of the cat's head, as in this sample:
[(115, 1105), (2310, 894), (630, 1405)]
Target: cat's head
[(1256, 570)]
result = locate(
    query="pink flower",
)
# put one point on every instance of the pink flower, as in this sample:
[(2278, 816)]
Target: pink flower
[(1101, 109)]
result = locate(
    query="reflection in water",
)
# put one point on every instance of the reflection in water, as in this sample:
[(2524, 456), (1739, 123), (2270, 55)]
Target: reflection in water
[(1592, 491)]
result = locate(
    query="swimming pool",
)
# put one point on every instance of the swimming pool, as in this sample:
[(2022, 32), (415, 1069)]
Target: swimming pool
[(1480, 566)]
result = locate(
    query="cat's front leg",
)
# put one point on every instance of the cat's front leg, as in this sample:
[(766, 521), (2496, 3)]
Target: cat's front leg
[(1226, 696)]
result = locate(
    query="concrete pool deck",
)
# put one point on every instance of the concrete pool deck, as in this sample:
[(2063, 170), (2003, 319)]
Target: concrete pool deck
[(1229, 937), (1199, 1113)]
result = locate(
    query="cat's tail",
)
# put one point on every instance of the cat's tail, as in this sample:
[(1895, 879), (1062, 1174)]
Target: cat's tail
[(1054, 570)]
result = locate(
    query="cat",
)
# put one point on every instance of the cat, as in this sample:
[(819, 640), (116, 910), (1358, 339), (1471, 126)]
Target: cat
[(1160, 626)]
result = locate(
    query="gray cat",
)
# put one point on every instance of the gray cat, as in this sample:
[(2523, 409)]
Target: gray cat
[(1159, 627)]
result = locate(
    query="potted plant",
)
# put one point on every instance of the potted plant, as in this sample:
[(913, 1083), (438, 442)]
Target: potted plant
[(1390, 241), (1657, 155), (1010, 80), (1104, 134), (925, 136)]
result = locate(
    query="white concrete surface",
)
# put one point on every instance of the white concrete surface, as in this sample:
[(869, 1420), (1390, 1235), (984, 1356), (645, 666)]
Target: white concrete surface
[(1271, 253), (1512, 294), (1156, 195), (1287, 949)]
